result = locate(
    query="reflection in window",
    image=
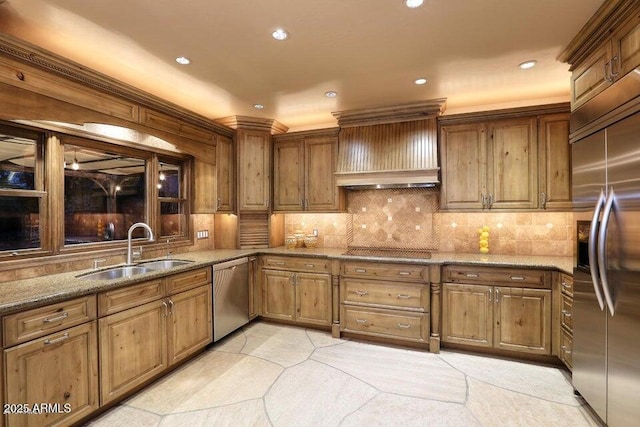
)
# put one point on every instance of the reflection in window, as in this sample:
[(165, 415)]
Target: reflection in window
[(173, 219), (21, 193), (104, 194)]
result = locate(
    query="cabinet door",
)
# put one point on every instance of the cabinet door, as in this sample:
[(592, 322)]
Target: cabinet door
[(463, 158), (204, 176), (278, 294), (626, 47), (254, 169), (321, 158), (288, 175), (467, 314), (225, 175), (590, 78), (313, 298), (512, 174), (523, 320), (133, 348), (190, 322), (555, 161), (60, 369)]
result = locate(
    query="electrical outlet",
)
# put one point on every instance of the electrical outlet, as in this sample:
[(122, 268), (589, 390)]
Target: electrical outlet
[(202, 234)]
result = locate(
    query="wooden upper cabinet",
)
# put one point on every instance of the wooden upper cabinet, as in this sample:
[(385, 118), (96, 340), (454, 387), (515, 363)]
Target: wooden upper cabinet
[(254, 166), (591, 77), (463, 151), (288, 175), (512, 175), (626, 46), (555, 161), (225, 174), (304, 169)]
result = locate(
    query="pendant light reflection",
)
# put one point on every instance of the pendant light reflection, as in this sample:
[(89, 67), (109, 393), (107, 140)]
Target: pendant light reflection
[(75, 165)]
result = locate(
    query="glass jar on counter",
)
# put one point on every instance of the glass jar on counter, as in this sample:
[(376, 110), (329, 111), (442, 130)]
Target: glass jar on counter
[(299, 235), (311, 241), (290, 241)]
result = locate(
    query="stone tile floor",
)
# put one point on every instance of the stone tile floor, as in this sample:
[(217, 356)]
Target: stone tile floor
[(273, 375)]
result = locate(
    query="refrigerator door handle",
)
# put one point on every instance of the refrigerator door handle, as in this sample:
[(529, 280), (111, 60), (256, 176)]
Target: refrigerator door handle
[(593, 258), (602, 248)]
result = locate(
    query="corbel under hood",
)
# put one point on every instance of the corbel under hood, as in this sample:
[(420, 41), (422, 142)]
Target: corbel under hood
[(389, 146)]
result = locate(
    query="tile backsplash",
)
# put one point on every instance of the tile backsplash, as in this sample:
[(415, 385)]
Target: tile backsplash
[(410, 219)]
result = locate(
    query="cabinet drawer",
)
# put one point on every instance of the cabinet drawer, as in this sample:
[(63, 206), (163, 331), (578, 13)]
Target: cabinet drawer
[(566, 312), (385, 323), (566, 348), (408, 273), (407, 296), (110, 302), (188, 280), (497, 276), (35, 323), (314, 265), (566, 284)]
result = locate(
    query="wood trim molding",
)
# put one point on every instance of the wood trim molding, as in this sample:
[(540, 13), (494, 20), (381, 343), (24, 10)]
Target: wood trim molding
[(509, 113), (316, 133), (32, 55), (391, 114), (597, 29), (391, 177), (272, 126)]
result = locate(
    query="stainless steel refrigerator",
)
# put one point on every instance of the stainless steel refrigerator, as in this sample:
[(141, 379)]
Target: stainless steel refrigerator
[(606, 307)]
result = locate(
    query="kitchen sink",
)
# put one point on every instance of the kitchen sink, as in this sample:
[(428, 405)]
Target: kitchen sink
[(163, 264), (116, 273)]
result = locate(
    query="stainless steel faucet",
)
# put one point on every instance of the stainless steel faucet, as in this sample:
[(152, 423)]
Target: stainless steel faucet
[(133, 227)]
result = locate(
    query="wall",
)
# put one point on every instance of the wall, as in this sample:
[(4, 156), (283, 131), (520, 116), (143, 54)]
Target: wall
[(410, 219)]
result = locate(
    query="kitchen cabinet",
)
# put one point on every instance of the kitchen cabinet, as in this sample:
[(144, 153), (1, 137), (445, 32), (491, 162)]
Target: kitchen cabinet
[(297, 290), (512, 163), (254, 169), (565, 350), (482, 308), (142, 338), (225, 175), (609, 61), (254, 288), (385, 301), (51, 356), (304, 165)]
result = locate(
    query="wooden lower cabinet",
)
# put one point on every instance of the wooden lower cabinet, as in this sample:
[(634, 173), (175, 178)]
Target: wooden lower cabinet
[(296, 296), (58, 373), (508, 318), (393, 324), (133, 348), (190, 323)]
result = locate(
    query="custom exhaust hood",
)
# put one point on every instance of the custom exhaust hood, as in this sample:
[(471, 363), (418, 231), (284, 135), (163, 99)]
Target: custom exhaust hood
[(389, 147)]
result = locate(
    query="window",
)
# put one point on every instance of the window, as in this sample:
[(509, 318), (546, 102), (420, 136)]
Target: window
[(171, 196), (22, 193), (104, 194)]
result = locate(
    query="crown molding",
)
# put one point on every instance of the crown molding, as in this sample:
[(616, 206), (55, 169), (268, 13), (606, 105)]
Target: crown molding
[(391, 114), (272, 126)]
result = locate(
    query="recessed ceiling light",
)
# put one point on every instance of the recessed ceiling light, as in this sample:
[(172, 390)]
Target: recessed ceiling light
[(413, 3), (183, 60), (258, 106), (331, 94), (420, 81), (528, 64), (280, 34)]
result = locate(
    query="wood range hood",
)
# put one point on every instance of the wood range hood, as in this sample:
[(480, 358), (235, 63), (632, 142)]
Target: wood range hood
[(389, 147)]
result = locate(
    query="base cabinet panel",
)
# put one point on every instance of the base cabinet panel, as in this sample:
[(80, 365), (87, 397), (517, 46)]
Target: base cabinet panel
[(313, 298), (60, 370), (399, 325), (133, 348), (467, 314), (278, 298), (190, 325)]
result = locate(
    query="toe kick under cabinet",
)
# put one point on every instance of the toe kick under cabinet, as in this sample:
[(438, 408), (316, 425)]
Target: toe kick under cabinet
[(494, 307), (385, 301)]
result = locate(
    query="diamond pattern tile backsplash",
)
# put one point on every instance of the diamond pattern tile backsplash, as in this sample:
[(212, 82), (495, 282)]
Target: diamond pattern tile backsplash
[(410, 219)]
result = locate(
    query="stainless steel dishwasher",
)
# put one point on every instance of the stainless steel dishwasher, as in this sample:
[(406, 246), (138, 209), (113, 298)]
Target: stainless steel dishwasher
[(230, 296)]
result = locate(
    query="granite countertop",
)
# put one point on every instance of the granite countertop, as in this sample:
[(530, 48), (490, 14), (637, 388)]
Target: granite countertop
[(28, 293)]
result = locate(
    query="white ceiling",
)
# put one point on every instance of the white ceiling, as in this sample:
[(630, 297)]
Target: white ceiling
[(369, 51)]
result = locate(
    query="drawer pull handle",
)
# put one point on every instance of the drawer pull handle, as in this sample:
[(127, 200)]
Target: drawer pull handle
[(309, 265), (404, 273), (472, 275), (278, 263), (55, 319), (565, 285), (361, 320), (403, 326), (56, 340), (362, 293), (404, 296), (566, 313), (516, 277), (360, 270)]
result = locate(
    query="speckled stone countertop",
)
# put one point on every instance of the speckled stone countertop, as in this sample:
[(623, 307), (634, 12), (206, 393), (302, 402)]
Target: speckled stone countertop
[(28, 293)]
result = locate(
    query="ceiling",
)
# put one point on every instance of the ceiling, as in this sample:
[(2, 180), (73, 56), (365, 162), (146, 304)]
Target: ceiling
[(369, 51)]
